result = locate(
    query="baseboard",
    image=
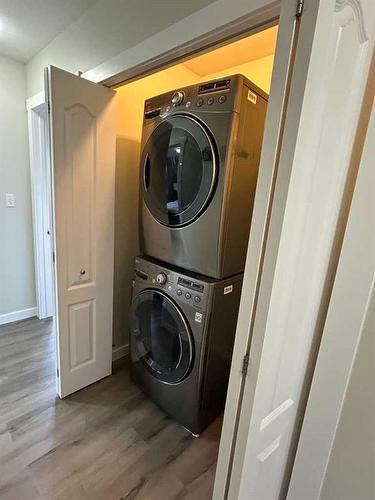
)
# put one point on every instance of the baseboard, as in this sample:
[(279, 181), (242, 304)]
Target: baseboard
[(120, 352), (18, 315)]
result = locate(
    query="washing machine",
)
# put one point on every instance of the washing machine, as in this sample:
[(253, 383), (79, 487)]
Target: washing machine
[(199, 164), (182, 329)]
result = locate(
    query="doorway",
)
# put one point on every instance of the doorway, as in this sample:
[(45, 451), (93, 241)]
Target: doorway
[(251, 56)]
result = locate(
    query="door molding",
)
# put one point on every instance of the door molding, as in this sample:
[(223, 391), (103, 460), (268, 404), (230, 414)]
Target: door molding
[(40, 176), (212, 26)]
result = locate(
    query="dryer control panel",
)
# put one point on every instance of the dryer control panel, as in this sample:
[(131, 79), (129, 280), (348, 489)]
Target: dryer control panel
[(217, 95)]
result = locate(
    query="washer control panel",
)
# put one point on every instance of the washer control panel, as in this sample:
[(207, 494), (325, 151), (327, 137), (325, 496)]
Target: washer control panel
[(182, 288)]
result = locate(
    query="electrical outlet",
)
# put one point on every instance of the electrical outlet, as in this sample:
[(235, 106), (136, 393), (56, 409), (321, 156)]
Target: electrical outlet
[(10, 200)]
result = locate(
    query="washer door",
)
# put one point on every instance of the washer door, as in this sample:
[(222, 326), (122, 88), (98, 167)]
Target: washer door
[(178, 171), (160, 337)]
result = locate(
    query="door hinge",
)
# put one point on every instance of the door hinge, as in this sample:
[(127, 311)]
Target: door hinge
[(245, 364), (49, 107), (53, 256), (299, 9), (57, 372)]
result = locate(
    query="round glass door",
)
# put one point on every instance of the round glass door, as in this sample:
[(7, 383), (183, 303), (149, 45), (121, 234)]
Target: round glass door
[(178, 171), (160, 337)]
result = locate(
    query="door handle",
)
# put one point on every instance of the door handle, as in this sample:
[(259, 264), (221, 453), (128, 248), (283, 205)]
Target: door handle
[(82, 272), (146, 172)]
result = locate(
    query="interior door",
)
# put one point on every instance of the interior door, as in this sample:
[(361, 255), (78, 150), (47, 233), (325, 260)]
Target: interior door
[(82, 131), (331, 55)]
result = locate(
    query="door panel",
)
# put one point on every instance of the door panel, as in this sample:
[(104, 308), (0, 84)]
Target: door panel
[(82, 333), (82, 123), (80, 147)]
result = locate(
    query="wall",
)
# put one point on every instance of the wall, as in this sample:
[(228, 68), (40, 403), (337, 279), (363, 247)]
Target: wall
[(131, 102), (106, 29), (17, 290)]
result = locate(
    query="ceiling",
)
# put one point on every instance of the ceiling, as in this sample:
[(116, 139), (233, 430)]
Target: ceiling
[(26, 26), (248, 49)]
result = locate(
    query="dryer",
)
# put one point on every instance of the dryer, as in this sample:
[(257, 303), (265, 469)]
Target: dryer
[(199, 165), (182, 329)]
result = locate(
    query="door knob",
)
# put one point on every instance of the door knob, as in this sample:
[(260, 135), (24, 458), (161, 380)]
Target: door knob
[(82, 272)]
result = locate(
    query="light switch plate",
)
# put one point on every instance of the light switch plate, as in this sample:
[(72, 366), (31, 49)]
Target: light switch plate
[(10, 200)]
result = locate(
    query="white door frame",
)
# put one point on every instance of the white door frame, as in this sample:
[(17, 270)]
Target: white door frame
[(40, 175)]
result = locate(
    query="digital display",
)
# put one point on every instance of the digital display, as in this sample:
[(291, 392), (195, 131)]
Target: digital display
[(191, 284)]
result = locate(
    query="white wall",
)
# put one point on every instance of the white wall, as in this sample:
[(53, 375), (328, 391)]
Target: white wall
[(17, 290), (105, 30)]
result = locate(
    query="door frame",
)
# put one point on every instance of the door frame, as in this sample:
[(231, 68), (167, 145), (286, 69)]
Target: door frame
[(40, 176), (139, 62)]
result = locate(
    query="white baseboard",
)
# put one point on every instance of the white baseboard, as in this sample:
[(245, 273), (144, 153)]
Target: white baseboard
[(120, 352), (18, 315)]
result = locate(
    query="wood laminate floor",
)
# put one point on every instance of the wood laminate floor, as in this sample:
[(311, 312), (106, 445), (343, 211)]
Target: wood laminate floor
[(105, 442)]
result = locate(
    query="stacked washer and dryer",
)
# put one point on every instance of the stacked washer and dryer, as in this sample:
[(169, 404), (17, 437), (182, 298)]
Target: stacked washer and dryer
[(199, 164)]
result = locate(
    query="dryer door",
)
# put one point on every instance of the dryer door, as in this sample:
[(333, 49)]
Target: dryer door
[(178, 171), (160, 337)]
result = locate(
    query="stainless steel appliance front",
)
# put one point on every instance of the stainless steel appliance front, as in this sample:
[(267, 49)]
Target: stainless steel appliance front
[(198, 174)]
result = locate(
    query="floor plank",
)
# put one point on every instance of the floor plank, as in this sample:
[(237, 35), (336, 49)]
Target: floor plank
[(105, 442)]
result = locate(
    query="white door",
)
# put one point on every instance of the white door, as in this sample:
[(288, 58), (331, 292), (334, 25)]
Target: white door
[(332, 58), (331, 449), (82, 121)]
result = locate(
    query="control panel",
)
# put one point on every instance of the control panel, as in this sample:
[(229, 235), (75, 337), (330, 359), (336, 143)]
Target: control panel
[(217, 95), (181, 288)]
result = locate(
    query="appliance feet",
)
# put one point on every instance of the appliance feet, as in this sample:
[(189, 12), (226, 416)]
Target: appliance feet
[(192, 433)]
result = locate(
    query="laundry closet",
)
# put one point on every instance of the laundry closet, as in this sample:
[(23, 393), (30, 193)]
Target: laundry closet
[(101, 168), (189, 271)]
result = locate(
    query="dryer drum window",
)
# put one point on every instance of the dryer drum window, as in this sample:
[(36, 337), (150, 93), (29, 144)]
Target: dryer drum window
[(178, 171), (160, 337)]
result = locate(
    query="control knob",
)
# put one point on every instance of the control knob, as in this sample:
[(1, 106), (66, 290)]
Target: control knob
[(177, 98), (161, 278)]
